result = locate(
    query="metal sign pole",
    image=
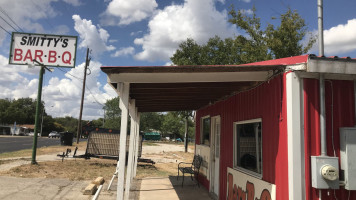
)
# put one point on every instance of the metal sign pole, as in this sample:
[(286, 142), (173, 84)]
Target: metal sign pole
[(39, 94)]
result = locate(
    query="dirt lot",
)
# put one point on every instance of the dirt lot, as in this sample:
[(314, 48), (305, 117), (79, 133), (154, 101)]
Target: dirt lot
[(166, 156)]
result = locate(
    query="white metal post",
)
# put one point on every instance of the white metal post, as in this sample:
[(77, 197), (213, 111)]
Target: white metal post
[(295, 137), (137, 141), (134, 157), (124, 106), (131, 149)]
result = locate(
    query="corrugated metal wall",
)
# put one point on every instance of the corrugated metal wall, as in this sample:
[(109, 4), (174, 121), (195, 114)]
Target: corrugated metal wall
[(267, 102), (340, 108)]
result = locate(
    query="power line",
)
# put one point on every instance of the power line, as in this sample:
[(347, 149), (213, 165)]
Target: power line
[(5, 30), (66, 72), (4, 12), (93, 96), (85, 85), (8, 24)]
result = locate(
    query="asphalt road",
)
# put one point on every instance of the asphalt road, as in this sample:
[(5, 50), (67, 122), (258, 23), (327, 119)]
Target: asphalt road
[(15, 143)]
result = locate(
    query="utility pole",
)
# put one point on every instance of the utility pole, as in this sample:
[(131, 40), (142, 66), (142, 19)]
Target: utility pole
[(79, 129)]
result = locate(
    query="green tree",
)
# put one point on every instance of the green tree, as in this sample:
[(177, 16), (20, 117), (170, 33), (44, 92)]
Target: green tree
[(185, 116), (4, 105), (48, 125), (256, 44), (112, 114), (70, 124), (172, 125), (151, 121), (215, 52), (175, 123), (253, 46), (22, 111), (98, 122), (284, 40)]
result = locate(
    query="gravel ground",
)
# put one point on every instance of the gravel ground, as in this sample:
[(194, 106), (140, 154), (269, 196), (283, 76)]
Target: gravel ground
[(155, 152)]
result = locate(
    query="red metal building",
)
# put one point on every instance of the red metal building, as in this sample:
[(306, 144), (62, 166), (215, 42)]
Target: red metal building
[(284, 162), (279, 129)]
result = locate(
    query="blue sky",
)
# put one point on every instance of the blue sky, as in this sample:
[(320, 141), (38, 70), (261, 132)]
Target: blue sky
[(139, 32)]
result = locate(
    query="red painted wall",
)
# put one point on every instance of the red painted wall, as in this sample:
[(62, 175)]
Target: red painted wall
[(267, 102), (339, 111)]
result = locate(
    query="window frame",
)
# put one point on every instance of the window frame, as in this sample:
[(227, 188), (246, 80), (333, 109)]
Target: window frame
[(202, 130), (235, 147)]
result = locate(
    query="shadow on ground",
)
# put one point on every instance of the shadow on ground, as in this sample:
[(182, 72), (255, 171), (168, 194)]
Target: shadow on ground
[(189, 189)]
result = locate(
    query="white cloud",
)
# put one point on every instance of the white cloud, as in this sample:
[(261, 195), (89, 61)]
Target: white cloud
[(61, 30), (135, 33), (197, 19), (13, 83), (61, 95), (73, 2), (65, 94), (128, 11), (246, 1), (124, 52), (91, 36), (25, 14), (247, 12), (341, 38)]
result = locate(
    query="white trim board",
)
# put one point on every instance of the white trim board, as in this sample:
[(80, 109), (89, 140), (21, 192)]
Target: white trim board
[(189, 77), (295, 137)]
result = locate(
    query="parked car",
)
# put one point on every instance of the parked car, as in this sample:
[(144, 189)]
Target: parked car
[(32, 134), (54, 134)]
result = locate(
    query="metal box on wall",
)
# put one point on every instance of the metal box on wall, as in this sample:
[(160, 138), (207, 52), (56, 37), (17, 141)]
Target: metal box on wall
[(318, 163), (348, 156)]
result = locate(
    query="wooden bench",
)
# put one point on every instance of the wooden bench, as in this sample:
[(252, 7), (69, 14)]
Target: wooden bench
[(190, 168)]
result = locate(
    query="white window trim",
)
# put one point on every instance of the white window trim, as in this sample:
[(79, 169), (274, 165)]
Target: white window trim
[(246, 171), (201, 130)]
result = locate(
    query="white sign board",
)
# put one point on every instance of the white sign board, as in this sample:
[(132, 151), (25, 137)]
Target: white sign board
[(50, 50), (243, 186)]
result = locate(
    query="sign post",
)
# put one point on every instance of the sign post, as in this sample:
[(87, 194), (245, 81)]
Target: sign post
[(38, 105), (44, 50)]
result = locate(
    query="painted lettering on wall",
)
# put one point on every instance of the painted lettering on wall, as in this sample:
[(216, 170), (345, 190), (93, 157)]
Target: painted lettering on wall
[(241, 186), (237, 193)]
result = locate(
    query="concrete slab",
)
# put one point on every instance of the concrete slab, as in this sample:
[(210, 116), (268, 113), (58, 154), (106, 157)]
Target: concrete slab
[(12, 188), (171, 188)]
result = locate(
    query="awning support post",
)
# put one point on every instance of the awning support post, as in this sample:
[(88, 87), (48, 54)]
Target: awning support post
[(124, 89), (132, 111), (137, 142)]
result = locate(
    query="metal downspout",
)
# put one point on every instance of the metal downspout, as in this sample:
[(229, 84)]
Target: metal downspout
[(322, 116), (322, 84), (321, 81)]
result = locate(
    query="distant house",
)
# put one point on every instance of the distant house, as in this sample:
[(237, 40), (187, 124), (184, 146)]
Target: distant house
[(23, 129), (5, 129)]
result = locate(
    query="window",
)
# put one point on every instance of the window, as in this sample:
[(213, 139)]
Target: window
[(205, 131), (248, 146)]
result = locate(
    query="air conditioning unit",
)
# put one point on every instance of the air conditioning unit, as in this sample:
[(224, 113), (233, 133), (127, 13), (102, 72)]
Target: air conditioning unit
[(348, 156)]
